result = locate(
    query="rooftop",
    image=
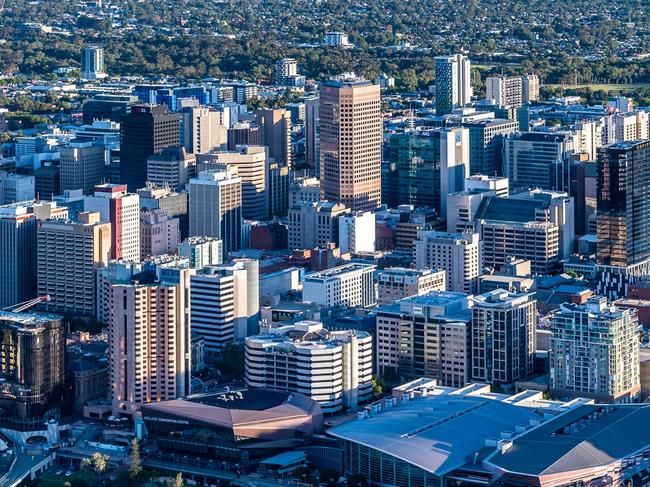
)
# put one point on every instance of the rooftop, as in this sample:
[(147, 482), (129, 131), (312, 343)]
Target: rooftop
[(337, 271), (440, 431), (585, 437)]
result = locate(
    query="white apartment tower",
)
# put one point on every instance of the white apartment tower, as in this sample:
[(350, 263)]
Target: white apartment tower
[(595, 352), (92, 63)]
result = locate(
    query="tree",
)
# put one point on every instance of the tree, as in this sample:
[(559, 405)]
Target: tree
[(378, 386), (135, 458), (409, 80)]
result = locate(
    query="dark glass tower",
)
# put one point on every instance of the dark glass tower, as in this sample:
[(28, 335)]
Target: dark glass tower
[(147, 130), (623, 204), (32, 347)]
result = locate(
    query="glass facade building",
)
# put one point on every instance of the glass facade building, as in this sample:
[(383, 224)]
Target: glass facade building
[(32, 347)]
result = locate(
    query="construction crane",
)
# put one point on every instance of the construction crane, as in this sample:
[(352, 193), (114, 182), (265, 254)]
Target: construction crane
[(25, 305)]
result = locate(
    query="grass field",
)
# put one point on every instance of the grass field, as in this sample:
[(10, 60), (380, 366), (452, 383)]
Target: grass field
[(605, 87)]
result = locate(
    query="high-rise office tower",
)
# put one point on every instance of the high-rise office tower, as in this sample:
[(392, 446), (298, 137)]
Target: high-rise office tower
[(107, 107), (216, 207), (32, 365), (68, 255), (145, 132), (430, 165), (277, 188), (201, 129), (149, 343), (486, 139), (122, 211), (426, 336), (458, 254), (530, 85), (92, 62), (276, 127), (394, 283), (173, 167), (47, 182), (312, 130), (225, 304), (15, 188), (159, 233), (250, 163), (535, 225), (504, 90), (350, 143), (337, 376), (18, 248), (173, 203), (82, 166), (503, 337), (623, 215), (245, 133), (538, 159), (314, 224), (453, 83), (284, 68), (595, 352)]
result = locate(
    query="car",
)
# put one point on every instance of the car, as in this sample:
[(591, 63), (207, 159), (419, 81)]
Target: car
[(68, 473), (59, 472)]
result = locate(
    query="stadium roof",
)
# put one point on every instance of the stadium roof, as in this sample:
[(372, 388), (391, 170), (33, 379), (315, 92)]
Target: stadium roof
[(439, 433), (588, 436)]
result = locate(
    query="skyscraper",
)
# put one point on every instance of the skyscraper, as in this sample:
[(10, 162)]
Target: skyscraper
[(595, 352), (486, 139), (250, 164), (216, 207), (623, 203), (312, 138), (92, 62), (172, 167), (122, 211), (276, 129), (430, 165), (149, 343), (144, 132), (32, 364), (503, 336), (82, 166), (201, 129), (538, 159), (18, 248), (458, 254), (453, 83), (68, 255), (623, 215), (350, 143)]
